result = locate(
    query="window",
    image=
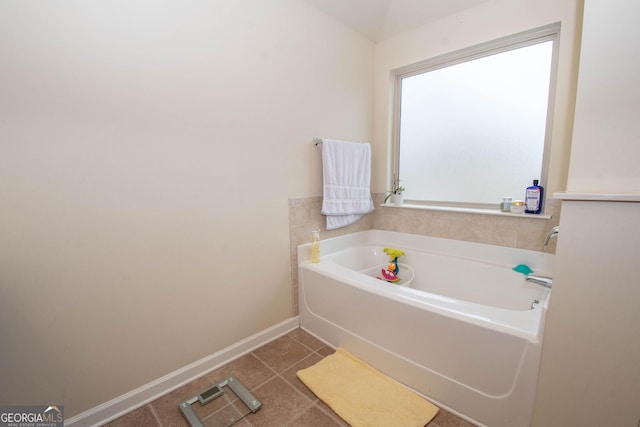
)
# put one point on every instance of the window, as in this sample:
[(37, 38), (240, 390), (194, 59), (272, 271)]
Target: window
[(474, 126)]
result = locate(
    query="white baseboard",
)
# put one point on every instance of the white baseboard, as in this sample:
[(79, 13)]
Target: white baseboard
[(134, 399)]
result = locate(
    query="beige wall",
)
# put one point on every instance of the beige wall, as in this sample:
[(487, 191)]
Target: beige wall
[(590, 370), (147, 153), (589, 373), (605, 159)]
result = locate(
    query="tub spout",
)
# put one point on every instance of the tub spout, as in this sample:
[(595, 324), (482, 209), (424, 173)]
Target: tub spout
[(539, 280), (553, 233)]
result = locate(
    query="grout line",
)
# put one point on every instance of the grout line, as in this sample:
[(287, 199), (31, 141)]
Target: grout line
[(268, 367), (153, 411), (230, 405), (326, 409), (300, 411)]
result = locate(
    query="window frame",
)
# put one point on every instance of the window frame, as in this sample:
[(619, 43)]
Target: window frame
[(504, 44)]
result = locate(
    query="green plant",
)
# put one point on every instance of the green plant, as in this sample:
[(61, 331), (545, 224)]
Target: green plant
[(396, 188)]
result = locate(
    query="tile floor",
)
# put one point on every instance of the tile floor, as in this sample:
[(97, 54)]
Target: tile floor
[(269, 372)]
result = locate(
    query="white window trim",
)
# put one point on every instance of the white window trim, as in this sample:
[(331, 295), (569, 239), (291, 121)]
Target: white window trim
[(503, 44)]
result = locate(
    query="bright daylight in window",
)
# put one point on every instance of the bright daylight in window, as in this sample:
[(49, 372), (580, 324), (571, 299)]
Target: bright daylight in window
[(473, 128)]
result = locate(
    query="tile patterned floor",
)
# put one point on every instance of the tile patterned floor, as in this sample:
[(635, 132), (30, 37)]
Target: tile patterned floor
[(269, 372)]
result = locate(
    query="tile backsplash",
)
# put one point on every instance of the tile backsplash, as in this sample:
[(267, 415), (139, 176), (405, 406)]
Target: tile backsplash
[(510, 231)]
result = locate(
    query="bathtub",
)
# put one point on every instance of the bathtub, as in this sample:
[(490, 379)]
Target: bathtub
[(466, 333)]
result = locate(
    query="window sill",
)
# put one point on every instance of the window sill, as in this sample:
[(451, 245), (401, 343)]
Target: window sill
[(478, 211)]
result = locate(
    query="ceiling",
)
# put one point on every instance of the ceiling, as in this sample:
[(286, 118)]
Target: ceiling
[(381, 19)]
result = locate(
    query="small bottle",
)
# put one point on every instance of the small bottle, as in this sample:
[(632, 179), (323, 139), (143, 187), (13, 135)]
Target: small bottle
[(505, 205), (533, 198), (315, 246)]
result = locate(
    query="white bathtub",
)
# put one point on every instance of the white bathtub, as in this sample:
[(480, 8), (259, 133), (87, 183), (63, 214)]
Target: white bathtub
[(464, 334)]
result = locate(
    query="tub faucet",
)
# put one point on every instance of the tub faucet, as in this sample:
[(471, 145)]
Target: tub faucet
[(539, 280), (553, 233)]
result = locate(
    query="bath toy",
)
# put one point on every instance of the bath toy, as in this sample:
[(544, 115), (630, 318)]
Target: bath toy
[(390, 276), (394, 254), (393, 268), (524, 269)]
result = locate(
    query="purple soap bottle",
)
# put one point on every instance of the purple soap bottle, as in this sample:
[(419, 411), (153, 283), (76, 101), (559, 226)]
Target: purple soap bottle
[(533, 198)]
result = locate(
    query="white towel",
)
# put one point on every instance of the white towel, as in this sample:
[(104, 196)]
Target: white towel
[(346, 169)]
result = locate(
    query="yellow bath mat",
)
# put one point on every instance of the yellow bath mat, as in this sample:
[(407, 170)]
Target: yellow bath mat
[(364, 397)]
